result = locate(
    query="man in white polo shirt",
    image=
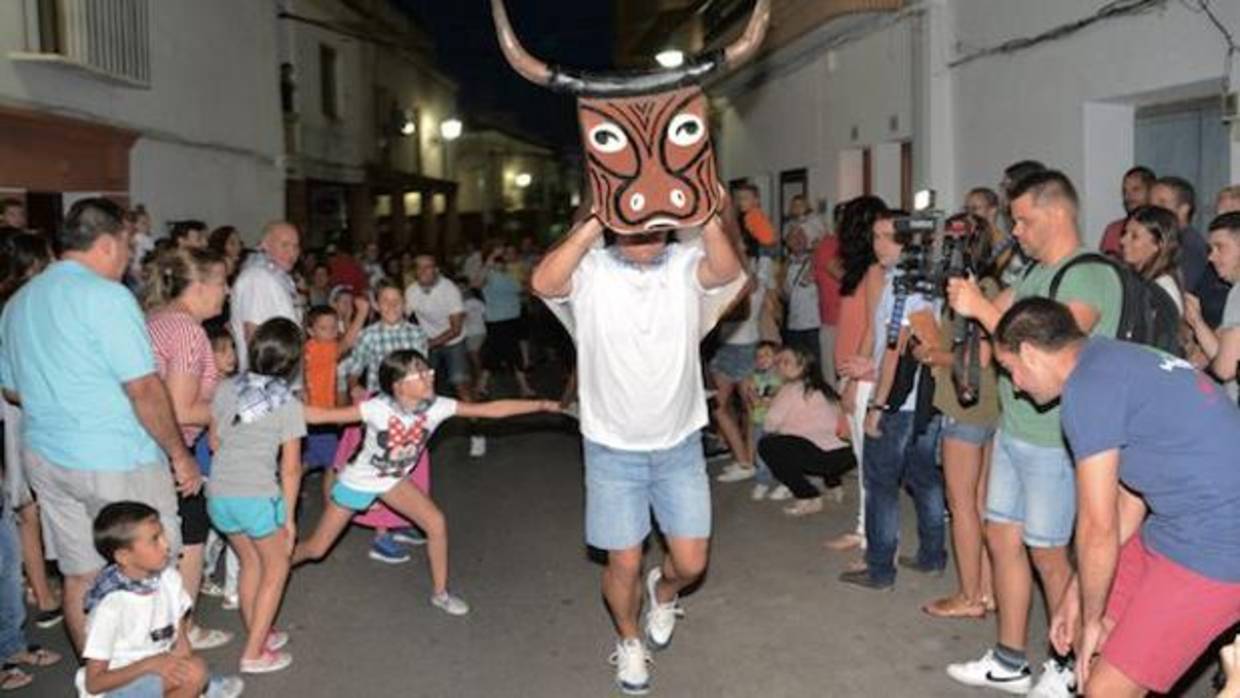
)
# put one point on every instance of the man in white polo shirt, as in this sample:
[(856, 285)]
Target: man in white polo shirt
[(440, 311), (265, 289), (638, 310)]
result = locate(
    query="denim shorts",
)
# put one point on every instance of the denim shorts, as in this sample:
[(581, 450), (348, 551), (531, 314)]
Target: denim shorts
[(622, 487), (145, 686), (1034, 486), (350, 498), (256, 517), (968, 433), (734, 361), (451, 363)]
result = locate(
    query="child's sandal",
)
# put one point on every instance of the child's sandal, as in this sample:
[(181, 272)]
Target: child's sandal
[(35, 656)]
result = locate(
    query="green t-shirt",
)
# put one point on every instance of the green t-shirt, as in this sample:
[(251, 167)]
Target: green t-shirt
[(1093, 284), (765, 384)]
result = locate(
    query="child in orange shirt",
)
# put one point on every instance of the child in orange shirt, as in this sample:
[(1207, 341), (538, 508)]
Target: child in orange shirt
[(323, 350)]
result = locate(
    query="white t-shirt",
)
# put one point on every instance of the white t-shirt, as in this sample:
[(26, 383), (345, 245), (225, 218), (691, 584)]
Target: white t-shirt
[(127, 627), (747, 331), (394, 443), (475, 318), (802, 292), (260, 294), (435, 308), (637, 331)]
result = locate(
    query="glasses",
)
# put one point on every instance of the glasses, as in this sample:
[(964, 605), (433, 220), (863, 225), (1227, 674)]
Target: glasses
[(425, 374)]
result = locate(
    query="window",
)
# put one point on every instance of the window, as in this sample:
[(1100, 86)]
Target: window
[(327, 80), (107, 39)]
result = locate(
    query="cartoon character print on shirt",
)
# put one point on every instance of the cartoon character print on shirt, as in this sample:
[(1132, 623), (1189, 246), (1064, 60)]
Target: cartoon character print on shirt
[(399, 446)]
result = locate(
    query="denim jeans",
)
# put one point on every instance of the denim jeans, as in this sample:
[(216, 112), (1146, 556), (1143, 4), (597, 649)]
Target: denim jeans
[(12, 602), (900, 458), (763, 475)]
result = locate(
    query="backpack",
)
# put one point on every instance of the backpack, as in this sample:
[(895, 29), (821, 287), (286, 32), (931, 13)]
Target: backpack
[(1148, 314)]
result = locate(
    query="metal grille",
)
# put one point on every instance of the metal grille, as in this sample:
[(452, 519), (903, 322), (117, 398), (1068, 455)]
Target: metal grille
[(110, 37)]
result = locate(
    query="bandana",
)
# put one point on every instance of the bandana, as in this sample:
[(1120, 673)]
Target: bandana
[(111, 579), (408, 413), (259, 396)]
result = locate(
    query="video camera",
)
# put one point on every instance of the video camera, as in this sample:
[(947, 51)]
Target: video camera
[(931, 256)]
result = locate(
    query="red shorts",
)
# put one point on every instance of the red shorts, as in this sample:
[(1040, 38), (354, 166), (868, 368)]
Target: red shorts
[(1165, 616)]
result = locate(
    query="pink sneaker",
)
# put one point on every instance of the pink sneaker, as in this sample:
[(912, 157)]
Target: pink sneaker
[(276, 640), (266, 663)]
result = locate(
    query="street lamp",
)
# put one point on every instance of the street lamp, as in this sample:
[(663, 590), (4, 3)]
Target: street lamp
[(524, 179), (671, 58), (450, 129), (407, 126)]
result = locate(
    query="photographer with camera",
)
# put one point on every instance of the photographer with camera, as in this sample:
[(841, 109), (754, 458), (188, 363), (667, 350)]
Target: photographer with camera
[(1031, 493), (966, 393), (901, 433)]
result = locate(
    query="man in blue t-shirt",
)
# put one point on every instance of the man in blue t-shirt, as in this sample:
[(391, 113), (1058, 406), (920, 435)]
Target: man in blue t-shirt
[(1155, 444), (98, 427)]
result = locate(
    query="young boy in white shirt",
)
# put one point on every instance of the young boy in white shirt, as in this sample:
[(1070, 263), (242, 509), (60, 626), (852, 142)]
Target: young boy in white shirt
[(136, 646)]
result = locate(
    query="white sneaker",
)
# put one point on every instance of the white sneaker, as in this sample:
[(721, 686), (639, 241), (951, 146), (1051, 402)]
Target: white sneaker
[(780, 494), (201, 638), (736, 473), (231, 603), (450, 603), (224, 687), (630, 660), (210, 587), (477, 446), (1058, 680), (660, 617), (987, 672), (759, 492)]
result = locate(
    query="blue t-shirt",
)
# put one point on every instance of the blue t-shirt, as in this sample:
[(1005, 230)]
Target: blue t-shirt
[(69, 340), (503, 297), (1179, 441)]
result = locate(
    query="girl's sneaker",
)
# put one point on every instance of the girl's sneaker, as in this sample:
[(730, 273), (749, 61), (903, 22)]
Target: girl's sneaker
[(408, 536), (266, 663), (736, 472), (211, 588), (450, 603), (804, 507), (276, 640), (231, 603), (224, 687), (759, 492), (780, 494), (201, 638)]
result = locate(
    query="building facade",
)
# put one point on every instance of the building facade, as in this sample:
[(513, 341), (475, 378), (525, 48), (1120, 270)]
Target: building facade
[(100, 98)]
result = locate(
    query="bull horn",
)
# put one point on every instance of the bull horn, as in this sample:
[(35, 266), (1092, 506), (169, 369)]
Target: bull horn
[(529, 67), (748, 43)]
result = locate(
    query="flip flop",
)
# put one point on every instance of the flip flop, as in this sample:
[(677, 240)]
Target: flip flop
[(13, 678), (35, 656)]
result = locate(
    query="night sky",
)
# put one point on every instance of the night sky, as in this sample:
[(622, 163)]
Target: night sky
[(568, 32)]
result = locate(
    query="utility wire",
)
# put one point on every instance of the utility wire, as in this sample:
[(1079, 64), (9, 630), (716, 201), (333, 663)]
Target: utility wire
[(1111, 10)]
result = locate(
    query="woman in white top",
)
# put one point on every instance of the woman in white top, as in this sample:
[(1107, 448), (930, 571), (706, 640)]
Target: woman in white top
[(1150, 245)]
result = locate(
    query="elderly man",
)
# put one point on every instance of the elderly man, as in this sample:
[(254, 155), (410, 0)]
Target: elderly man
[(75, 353), (1158, 493), (264, 289)]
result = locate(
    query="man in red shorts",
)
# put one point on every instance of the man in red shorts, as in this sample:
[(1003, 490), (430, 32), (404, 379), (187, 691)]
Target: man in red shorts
[(1158, 572)]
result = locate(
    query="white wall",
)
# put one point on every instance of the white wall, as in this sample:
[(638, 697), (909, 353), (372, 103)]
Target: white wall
[(212, 108), (805, 118), (1041, 103)]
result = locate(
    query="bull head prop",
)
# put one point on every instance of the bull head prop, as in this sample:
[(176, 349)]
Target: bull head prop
[(649, 157)]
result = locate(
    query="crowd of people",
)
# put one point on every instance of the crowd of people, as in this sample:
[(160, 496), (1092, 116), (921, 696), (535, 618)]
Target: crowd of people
[(164, 398), (165, 395)]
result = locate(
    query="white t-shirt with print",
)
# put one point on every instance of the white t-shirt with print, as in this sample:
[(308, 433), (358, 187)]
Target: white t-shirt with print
[(258, 295), (747, 331), (127, 627), (637, 330), (394, 442), (435, 308)]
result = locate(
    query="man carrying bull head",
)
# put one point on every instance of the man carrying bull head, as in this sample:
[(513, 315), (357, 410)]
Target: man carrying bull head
[(638, 310)]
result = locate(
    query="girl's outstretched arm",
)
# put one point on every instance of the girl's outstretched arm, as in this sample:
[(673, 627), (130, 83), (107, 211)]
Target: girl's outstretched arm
[(498, 409), (333, 415)]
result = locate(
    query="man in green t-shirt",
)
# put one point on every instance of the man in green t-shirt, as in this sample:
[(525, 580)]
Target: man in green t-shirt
[(1031, 496)]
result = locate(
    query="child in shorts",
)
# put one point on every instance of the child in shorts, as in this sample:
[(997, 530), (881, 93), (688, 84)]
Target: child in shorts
[(137, 644), (225, 353), (759, 390), (255, 417), (399, 423)]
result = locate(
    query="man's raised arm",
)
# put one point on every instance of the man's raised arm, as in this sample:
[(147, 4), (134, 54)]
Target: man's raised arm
[(722, 264), (553, 277)]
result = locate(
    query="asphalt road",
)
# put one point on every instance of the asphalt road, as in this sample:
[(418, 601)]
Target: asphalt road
[(770, 620)]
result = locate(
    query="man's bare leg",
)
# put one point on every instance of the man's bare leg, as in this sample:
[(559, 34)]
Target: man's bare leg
[(622, 589)]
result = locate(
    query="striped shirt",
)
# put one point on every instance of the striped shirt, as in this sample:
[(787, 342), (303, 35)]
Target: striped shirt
[(181, 346), (376, 342)]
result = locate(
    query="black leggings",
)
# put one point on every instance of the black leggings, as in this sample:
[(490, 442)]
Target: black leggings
[(791, 458)]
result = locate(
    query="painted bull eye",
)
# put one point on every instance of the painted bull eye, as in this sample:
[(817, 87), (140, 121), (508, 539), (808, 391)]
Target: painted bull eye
[(686, 130), (607, 138)]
